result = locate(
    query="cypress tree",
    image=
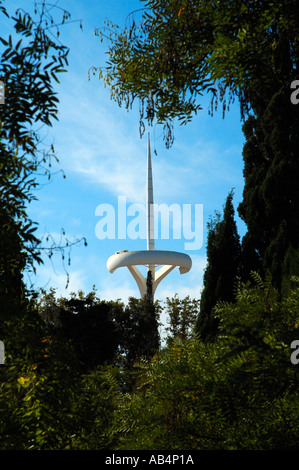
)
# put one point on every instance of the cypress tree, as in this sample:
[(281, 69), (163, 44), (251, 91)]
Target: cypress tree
[(270, 203), (224, 258), (150, 333), (139, 329)]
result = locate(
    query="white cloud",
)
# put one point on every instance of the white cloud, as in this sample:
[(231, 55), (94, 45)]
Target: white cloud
[(50, 277), (105, 149)]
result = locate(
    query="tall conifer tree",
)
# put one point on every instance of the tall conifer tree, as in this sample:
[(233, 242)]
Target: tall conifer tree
[(270, 205), (224, 257)]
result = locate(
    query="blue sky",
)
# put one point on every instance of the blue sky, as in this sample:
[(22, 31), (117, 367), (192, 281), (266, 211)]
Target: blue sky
[(103, 157)]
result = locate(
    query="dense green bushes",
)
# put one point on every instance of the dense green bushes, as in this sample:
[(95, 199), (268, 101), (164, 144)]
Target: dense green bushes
[(238, 392)]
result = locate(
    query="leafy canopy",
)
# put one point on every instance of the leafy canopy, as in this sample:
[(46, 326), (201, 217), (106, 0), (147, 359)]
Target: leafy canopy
[(172, 52)]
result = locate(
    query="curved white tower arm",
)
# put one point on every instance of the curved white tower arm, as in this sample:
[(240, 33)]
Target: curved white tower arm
[(160, 274), (146, 257), (139, 278), (170, 259)]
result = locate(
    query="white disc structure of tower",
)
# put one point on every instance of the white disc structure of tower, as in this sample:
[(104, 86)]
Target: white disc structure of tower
[(165, 261)]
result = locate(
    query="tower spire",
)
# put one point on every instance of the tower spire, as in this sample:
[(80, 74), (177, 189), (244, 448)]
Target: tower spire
[(150, 200), (150, 210), (151, 258)]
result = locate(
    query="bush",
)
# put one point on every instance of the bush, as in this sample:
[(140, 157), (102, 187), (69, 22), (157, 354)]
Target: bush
[(240, 392)]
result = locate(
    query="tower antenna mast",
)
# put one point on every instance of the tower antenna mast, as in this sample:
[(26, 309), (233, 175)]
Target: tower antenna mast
[(151, 257)]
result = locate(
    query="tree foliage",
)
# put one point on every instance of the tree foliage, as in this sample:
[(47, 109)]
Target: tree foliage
[(30, 60), (87, 323), (270, 197), (82, 373), (32, 57), (34, 383), (238, 392), (182, 314), (224, 266), (178, 50), (241, 392)]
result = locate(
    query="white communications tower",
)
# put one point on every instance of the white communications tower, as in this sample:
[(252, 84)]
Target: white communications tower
[(151, 258)]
